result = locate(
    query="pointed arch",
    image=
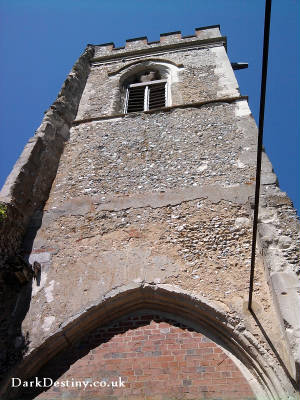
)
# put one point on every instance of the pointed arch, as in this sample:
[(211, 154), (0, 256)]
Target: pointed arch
[(167, 71), (136, 63), (195, 311)]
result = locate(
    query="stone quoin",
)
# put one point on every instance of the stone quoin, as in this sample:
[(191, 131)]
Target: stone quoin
[(126, 228)]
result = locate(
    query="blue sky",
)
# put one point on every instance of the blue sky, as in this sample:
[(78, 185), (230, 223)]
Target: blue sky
[(41, 40)]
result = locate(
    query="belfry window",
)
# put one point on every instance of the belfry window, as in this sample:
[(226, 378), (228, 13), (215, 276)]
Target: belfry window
[(146, 93)]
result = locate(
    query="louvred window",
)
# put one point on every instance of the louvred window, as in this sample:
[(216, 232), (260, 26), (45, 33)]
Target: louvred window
[(146, 96)]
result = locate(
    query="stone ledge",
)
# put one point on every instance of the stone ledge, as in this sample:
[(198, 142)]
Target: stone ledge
[(238, 194), (165, 109)]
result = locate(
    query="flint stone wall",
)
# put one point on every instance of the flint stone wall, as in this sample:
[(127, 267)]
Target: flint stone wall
[(166, 204)]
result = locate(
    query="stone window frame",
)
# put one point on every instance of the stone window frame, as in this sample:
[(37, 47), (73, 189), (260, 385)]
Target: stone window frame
[(165, 69), (143, 98)]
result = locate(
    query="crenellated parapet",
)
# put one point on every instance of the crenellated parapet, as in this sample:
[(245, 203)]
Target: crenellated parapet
[(209, 35)]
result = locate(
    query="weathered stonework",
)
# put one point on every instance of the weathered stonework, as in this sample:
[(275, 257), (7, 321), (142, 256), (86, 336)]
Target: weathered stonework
[(24, 193), (153, 211), (27, 187)]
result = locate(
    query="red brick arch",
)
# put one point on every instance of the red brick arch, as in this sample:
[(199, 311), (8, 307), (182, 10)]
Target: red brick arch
[(152, 355), (195, 313)]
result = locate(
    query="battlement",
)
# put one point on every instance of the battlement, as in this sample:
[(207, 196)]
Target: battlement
[(166, 39)]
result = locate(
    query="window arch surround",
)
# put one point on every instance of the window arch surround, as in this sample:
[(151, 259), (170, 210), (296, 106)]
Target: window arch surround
[(159, 73)]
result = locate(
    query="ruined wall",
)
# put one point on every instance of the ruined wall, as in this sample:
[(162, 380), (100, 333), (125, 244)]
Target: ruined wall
[(161, 199), (27, 187), (279, 242), (23, 194)]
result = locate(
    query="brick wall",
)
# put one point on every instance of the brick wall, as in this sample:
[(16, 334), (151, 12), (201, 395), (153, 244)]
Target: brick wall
[(157, 358)]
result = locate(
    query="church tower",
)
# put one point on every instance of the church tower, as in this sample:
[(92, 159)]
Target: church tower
[(132, 205)]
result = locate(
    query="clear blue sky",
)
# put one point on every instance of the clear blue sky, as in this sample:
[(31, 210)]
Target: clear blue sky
[(40, 41)]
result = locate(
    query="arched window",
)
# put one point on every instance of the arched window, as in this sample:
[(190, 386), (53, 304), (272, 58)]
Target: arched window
[(145, 91)]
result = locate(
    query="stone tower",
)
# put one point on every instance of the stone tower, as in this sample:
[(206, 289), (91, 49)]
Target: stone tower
[(126, 230)]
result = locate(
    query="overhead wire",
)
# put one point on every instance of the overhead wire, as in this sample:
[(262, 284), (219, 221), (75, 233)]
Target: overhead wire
[(268, 7)]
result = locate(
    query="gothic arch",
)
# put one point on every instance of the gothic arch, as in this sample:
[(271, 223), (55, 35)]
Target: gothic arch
[(148, 60), (167, 70), (197, 313)]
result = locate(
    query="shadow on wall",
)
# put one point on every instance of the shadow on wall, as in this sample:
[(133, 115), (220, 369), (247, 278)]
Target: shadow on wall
[(15, 298), (14, 306)]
